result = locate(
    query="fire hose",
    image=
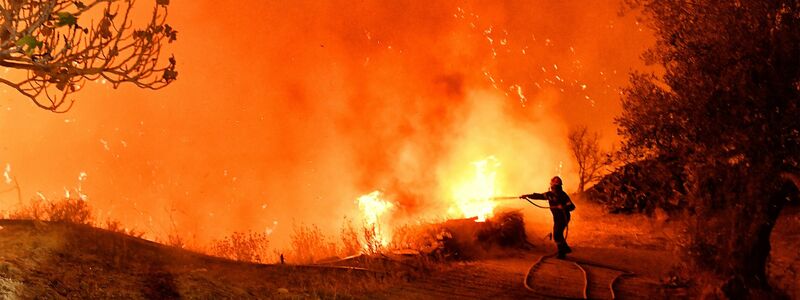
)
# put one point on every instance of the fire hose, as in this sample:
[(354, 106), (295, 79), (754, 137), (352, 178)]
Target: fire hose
[(515, 197), (585, 290)]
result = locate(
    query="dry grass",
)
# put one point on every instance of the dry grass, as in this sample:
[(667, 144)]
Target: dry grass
[(350, 243), (120, 256), (372, 239), (243, 246), (116, 226), (308, 242), (309, 245), (69, 210)]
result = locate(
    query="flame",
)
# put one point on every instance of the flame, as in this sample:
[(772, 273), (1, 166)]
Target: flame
[(473, 197), (372, 208)]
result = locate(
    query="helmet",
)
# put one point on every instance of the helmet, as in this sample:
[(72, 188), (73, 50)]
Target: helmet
[(555, 181)]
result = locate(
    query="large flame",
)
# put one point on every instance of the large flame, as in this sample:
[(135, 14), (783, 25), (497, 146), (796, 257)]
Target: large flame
[(473, 197), (372, 208)]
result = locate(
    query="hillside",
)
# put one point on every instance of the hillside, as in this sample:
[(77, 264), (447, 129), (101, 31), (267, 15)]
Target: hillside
[(55, 261), (65, 261)]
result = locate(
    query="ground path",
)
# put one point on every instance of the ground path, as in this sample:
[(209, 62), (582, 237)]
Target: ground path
[(505, 278)]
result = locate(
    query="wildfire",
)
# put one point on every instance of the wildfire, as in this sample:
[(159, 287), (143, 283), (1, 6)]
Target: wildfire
[(372, 208), (473, 197)]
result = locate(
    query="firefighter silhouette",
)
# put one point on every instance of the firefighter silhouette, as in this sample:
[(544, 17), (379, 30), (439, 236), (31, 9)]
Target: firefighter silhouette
[(560, 207)]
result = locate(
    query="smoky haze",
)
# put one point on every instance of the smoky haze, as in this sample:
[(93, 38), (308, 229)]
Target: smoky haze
[(287, 111)]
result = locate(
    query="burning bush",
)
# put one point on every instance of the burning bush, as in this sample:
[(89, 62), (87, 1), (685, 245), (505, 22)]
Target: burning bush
[(472, 239), (507, 230), (464, 238)]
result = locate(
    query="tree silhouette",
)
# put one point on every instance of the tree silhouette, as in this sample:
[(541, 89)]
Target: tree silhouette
[(590, 159), (726, 107), (62, 44)]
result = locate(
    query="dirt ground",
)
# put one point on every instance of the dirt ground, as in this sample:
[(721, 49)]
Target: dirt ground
[(59, 261), (603, 246)]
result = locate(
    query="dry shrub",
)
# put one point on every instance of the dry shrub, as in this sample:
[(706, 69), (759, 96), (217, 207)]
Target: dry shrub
[(68, 210), (464, 238), (429, 239), (351, 244), (506, 229), (310, 245), (240, 246), (366, 239), (34, 210), (372, 239), (116, 226), (176, 240)]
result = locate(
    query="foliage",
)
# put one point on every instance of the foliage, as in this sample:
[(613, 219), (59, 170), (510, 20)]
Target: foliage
[(726, 108), (60, 47), (240, 246), (731, 83)]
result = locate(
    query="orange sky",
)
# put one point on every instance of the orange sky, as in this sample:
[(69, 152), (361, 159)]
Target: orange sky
[(288, 110)]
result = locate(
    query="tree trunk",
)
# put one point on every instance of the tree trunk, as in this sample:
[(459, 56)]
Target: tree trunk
[(581, 180), (746, 270), (737, 209)]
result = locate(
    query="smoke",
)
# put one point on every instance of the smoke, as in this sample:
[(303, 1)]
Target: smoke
[(287, 111)]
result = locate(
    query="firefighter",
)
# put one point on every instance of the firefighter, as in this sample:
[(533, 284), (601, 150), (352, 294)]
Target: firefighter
[(560, 207)]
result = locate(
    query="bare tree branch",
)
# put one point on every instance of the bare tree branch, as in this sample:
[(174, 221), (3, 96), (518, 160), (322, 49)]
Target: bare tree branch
[(590, 159)]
